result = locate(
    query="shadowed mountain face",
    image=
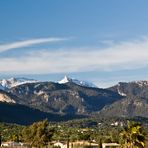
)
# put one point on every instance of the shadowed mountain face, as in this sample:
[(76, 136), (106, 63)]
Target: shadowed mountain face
[(68, 98), (20, 114)]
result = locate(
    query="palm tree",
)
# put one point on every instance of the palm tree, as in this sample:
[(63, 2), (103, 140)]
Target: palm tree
[(132, 136)]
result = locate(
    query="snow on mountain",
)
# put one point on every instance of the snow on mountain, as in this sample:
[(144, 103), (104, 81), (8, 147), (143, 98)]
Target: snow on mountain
[(119, 91), (78, 82), (141, 83), (124, 87), (9, 83)]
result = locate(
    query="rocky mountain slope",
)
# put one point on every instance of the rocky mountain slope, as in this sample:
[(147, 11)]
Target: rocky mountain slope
[(70, 98), (8, 97), (135, 102)]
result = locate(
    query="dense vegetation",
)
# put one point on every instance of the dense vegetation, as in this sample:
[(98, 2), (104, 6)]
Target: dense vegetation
[(42, 133), (10, 132)]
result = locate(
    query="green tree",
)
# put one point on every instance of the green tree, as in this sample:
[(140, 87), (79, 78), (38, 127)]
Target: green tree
[(132, 136), (15, 138), (38, 134)]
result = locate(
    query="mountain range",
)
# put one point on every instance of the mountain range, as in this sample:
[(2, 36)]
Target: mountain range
[(12, 82), (71, 97)]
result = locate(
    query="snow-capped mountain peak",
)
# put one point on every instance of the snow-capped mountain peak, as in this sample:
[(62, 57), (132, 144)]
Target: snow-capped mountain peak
[(67, 79), (64, 80), (12, 82)]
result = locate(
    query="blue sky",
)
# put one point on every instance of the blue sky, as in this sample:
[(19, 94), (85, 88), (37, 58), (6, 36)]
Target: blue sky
[(102, 41)]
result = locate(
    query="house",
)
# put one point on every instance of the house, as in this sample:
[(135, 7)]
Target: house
[(11, 144), (75, 144), (108, 145), (62, 145), (15, 144)]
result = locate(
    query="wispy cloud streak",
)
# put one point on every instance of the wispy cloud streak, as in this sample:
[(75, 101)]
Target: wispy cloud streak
[(27, 43)]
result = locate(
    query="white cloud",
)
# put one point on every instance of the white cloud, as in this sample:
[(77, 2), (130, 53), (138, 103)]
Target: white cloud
[(126, 55), (26, 43)]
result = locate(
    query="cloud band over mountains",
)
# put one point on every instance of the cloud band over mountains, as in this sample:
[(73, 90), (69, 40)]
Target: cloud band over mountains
[(121, 56)]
